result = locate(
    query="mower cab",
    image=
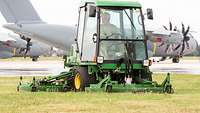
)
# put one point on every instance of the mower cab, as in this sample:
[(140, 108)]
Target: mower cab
[(111, 49)]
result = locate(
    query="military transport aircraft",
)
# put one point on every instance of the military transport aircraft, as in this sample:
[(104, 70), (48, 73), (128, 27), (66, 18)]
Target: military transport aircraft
[(12, 45), (26, 22), (172, 42)]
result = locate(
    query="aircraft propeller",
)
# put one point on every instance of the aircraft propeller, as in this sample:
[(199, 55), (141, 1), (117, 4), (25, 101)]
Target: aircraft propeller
[(28, 44), (168, 45), (186, 38), (170, 27)]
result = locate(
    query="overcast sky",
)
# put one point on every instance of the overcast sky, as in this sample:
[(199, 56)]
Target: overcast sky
[(65, 12)]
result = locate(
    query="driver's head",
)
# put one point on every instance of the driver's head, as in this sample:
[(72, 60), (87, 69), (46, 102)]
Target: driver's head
[(105, 17)]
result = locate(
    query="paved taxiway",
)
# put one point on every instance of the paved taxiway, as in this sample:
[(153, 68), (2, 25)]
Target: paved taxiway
[(183, 67), (43, 68), (29, 68)]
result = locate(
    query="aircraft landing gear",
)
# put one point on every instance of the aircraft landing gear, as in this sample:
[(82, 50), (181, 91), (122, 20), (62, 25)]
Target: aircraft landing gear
[(35, 59), (175, 59)]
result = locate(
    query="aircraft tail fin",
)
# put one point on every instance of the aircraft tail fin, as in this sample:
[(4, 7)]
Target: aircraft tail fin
[(19, 11)]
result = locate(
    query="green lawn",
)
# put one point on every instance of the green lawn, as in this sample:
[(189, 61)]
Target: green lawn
[(186, 99)]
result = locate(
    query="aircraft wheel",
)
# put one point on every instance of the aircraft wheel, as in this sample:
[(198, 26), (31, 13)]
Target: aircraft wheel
[(35, 59), (80, 78), (175, 60)]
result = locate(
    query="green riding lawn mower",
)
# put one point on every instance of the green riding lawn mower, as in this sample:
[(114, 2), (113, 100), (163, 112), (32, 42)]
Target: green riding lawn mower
[(109, 54)]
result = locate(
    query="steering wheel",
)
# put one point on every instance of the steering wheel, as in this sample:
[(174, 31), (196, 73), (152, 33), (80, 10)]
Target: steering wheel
[(114, 35)]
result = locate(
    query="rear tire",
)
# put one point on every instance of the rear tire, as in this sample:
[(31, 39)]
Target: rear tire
[(81, 78)]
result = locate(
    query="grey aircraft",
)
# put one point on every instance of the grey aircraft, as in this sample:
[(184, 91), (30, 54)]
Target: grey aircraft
[(25, 21), (171, 43), (12, 45)]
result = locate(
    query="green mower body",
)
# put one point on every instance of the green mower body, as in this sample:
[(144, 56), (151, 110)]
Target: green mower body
[(109, 54)]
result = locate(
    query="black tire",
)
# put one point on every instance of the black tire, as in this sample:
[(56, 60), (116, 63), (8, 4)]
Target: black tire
[(34, 89), (17, 88), (175, 60), (65, 89), (82, 72), (35, 59), (169, 90), (109, 88)]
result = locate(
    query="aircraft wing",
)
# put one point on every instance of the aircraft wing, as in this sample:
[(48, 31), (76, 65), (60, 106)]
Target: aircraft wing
[(165, 36), (14, 11), (55, 35)]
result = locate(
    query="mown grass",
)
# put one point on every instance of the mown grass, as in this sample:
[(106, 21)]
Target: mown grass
[(186, 99)]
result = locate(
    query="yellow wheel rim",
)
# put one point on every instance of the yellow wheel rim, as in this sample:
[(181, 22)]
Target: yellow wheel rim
[(77, 81)]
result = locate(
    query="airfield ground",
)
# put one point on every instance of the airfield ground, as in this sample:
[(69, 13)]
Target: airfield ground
[(186, 98)]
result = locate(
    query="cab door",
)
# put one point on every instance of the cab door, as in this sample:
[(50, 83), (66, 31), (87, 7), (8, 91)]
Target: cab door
[(89, 45)]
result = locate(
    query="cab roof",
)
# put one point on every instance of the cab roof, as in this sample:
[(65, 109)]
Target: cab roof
[(114, 3), (118, 3)]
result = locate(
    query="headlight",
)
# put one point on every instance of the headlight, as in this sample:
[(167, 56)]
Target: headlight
[(100, 59)]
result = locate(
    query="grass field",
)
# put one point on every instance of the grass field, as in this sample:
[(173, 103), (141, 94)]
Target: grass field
[(186, 99)]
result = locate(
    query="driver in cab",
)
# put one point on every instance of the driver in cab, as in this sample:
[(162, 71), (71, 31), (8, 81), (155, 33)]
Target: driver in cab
[(108, 31)]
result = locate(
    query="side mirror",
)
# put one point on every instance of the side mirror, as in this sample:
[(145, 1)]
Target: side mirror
[(92, 11), (150, 13)]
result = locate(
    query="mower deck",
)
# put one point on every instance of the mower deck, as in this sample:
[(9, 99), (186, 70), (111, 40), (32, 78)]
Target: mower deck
[(145, 86)]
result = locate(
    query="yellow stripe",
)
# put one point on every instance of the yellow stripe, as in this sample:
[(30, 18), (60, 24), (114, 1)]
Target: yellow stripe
[(154, 48), (14, 51)]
